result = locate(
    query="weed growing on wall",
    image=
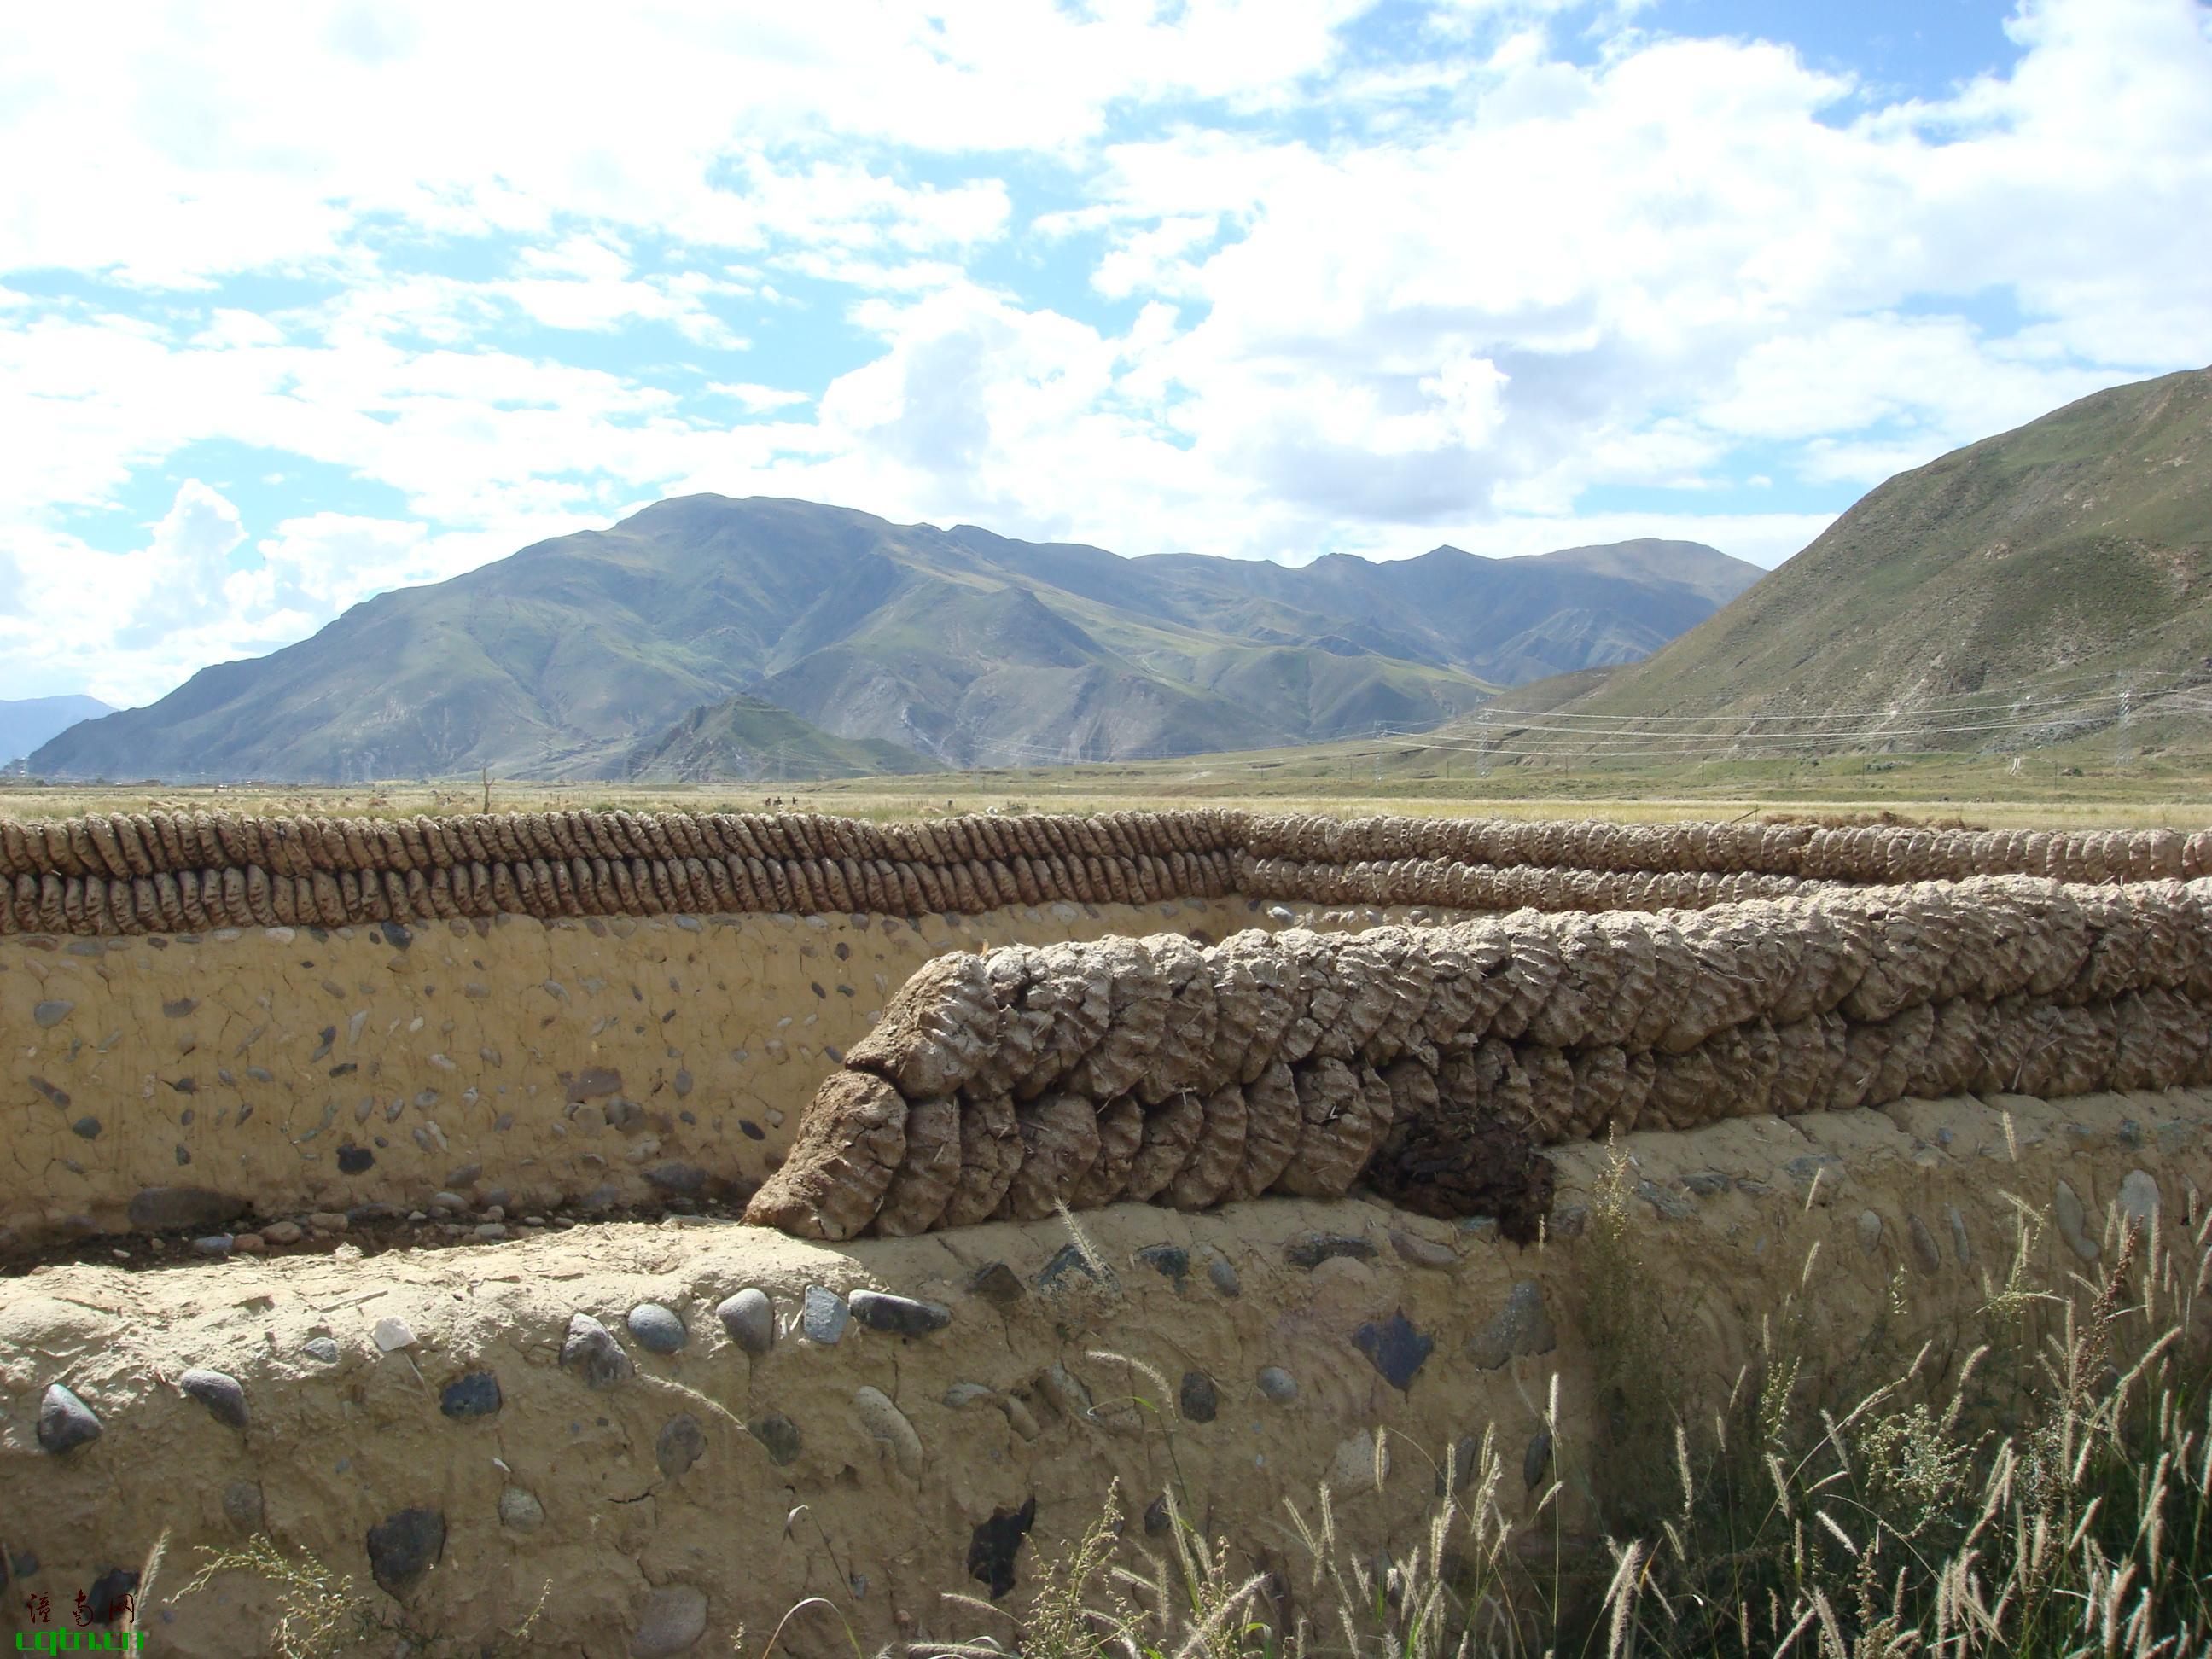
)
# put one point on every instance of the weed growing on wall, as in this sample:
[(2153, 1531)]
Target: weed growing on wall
[(322, 1614), (2036, 1479), (2049, 1499), (1639, 1400), (2040, 1484)]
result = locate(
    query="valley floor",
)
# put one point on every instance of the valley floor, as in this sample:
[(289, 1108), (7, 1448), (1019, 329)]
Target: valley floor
[(2047, 788)]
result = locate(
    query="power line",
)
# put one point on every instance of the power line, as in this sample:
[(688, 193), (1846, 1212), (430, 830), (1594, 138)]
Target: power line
[(1634, 736), (1964, 703), (1505, 752), (1876, 730)]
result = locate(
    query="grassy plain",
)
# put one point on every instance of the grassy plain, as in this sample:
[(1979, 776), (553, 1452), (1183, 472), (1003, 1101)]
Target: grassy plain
[(2079, 786)]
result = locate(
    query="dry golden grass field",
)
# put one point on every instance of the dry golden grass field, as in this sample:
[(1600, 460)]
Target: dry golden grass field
[(2085, 788)]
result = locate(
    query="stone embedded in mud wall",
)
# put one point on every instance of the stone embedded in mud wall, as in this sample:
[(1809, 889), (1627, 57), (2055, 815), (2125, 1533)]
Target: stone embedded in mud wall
[(187, 873), (1432, 1061), (65, 1422), (656, 1516)]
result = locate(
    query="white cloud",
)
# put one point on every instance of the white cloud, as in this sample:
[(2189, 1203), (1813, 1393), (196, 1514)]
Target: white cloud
[(128, 627), (755, 398), (1678, 252), (175, 577), (1338, 304), (199, 140), (63, 600)]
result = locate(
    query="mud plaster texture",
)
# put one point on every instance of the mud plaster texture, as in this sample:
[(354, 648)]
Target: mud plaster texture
[(169, 1081), (422, 1400)]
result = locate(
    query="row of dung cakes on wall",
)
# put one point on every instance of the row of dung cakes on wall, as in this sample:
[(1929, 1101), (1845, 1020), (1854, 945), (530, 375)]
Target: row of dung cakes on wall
[(190, 903), (124, 845), (136, 844), (173, 872), (1431, 1061)]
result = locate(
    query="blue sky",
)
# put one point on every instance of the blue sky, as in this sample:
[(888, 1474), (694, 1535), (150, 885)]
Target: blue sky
[(301, 304)]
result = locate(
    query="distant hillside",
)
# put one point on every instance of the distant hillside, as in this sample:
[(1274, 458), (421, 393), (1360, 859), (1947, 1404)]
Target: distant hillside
[(747, 737), (27, 724), (578, 657), (2044, 567), (1502, 620)]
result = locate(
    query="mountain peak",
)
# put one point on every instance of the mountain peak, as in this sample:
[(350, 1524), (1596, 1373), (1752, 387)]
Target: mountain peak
[(2073, 547), (706, 630)]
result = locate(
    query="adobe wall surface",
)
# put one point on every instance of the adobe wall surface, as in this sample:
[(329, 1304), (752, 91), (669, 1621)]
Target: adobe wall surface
[(181, 1080), (207, 1017), (455, 1467)]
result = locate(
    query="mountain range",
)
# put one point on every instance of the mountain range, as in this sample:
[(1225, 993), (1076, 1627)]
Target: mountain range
[(709, 637), (29, 722), (2003, 595)]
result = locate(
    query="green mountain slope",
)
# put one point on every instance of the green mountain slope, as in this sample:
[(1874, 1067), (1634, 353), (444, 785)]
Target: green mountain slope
[(2044, 568), (1489, 617), (750, 737), (579, 657)]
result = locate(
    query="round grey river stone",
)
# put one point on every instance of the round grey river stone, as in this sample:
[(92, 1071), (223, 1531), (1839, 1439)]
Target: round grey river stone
[(672, 1620), (65, 1422), (681, 1444), (750, 1318), (901, 1316), (1196, 1399), (521, 1509), (657, 1329), (403, 1545), (476, 1395), (592, 1354), (825, 1315), (219, 1392)]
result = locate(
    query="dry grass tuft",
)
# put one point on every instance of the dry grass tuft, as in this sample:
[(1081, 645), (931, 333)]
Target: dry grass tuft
[(320, 1614), (2042, 1487), (2037, 1485)]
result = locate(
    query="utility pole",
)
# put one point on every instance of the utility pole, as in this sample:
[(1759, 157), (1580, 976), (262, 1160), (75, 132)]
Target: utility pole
[(1482, 746), (1378, 758), (2127, 715)]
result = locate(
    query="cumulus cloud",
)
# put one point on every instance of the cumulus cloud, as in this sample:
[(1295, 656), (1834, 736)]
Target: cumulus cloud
[(128, 625), (1233, 276), (206, 139), (64, 604)]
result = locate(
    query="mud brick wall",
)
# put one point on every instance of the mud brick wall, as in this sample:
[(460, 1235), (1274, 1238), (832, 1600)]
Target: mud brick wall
[(209, 1017), (621, 1417), (185, 1080)]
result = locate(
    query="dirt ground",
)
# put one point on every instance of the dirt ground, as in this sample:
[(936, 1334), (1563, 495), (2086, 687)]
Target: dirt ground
[(1227, 785)]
